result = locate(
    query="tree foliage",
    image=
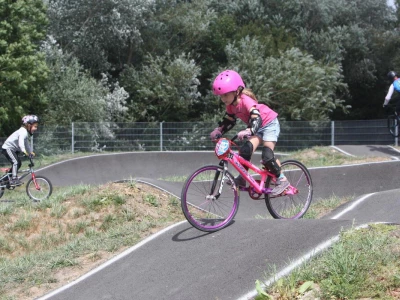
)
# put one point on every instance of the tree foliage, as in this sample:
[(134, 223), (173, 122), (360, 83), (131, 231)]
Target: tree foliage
[(164, 89), (104, 35), (308, 59), (75, 96), (294, 84), (23, 70)]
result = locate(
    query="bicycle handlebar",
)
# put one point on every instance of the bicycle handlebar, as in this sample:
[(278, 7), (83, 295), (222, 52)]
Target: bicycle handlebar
[(32, 164), (232, 139)]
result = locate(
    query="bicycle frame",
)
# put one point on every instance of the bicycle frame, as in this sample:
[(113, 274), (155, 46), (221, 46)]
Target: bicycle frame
[(224, 152), (25, 172)]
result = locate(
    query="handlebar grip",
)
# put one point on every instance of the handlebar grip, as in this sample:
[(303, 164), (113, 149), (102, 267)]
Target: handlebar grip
[(32, 164)]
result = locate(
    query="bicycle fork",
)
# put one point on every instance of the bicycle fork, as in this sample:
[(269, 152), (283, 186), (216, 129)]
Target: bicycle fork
[(35, 182), (211, 196)]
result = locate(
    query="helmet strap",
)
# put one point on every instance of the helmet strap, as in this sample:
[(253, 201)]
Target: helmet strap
[(29, 128), (238, 93)]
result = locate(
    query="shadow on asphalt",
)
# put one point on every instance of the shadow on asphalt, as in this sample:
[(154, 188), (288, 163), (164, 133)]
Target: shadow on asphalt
[(189, 234)]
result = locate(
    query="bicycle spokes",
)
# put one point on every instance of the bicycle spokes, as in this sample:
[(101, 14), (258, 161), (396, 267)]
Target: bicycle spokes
[(39, 188), (293, 202), (207, 202)]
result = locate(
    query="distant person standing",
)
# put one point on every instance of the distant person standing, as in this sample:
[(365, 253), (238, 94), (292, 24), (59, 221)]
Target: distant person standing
[(395, 86)]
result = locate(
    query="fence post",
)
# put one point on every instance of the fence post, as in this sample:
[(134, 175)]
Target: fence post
[(333, 133), (72, 138), (161, 135)]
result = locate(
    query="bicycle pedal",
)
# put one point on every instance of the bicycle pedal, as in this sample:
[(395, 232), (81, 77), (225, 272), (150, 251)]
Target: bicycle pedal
[(281, 194)]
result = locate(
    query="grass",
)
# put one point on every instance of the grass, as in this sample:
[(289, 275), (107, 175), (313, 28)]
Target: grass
[(328, 156), (77, 227), (363, 264), (319, 209)]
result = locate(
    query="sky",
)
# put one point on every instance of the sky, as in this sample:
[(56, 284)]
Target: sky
[(390, 2)]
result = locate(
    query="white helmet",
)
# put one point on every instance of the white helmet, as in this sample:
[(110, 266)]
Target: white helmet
[(30, 119)]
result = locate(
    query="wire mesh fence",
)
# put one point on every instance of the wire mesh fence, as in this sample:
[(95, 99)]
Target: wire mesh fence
[(194, 136)]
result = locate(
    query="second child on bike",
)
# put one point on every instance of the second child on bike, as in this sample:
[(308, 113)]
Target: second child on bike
[(395, 86), (263, 125), (17, 143)]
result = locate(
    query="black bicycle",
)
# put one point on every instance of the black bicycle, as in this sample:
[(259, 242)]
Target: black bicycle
[(393, 122)]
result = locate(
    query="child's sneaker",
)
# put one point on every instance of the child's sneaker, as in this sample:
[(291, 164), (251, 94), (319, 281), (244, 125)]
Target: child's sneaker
[(280, 185), (15, 182), (239, 181)]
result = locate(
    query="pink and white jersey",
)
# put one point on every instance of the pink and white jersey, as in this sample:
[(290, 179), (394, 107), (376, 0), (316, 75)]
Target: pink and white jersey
[(242, 110)]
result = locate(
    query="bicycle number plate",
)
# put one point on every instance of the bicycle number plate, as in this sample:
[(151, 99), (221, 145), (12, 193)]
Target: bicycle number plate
[(222, 148)]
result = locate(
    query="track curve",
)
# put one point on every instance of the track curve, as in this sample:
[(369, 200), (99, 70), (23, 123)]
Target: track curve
[(184, 263)]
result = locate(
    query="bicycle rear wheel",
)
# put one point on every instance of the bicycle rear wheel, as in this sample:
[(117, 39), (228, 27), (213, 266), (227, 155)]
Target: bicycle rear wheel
[(202, 206), (393, 125), (39, 191), (295, 204)]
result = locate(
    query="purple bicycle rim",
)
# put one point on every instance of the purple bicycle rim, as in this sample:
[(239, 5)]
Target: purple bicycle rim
[(233, 210)]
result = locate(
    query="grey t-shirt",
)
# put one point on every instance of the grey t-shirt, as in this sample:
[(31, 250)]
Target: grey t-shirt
[(18, 141)]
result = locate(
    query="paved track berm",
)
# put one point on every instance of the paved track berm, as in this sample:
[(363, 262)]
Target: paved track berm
[(183, 263)]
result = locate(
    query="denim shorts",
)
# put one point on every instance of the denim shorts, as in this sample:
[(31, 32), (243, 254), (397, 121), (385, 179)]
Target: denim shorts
[(270, 132)]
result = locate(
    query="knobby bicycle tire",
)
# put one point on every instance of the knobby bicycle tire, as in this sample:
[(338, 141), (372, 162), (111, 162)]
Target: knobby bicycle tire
[(200, 206), (291, 206), (45, 191), (393, 125)]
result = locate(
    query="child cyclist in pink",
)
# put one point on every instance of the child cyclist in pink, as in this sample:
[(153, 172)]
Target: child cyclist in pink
[(263, 125)]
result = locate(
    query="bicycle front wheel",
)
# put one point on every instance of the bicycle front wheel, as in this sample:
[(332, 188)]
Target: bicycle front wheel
[(393, 125), (203, 206), (40, 190), (294, 203)]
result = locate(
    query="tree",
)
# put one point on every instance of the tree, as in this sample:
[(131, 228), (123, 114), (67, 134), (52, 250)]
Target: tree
[(23, 70), (351, 42), (164, 89), (294, 84), (75, 96), (103, 35)]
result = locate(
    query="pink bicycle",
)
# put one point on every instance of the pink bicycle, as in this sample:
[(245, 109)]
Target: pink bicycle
[(210, 198)]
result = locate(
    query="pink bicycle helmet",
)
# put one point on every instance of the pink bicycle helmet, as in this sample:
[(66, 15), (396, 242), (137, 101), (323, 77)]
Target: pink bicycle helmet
[(227, 81)]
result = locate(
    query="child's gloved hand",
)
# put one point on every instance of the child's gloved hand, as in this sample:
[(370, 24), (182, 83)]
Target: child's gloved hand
[(244, 134), (215, 134), (32, 155)]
